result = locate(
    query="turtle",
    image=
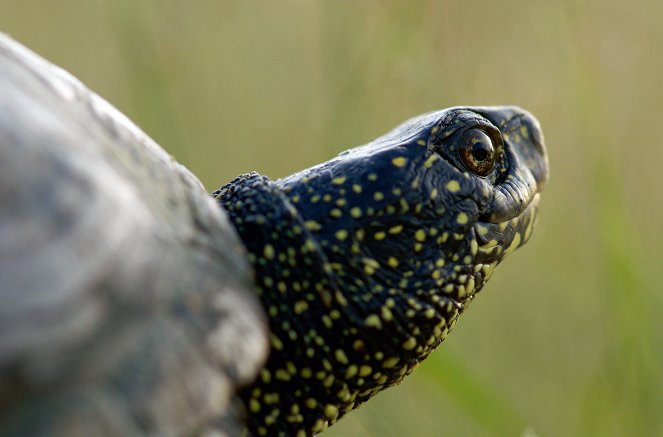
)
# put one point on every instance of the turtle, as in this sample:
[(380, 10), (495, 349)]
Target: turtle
[(133, 302)]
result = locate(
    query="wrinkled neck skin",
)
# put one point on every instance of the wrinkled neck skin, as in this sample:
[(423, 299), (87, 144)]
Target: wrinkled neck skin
[(365, 262)]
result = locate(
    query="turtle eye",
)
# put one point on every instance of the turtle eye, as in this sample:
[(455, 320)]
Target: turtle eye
[(477, 152)]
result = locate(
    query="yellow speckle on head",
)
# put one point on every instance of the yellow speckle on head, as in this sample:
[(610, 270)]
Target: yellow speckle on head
[(335, 212), (355, 212), (462, 218), (392, 262), (399, 162), (395, 229), (431, 160), (356, 188), (339, 180), (341, 234), (433, 193), (453, 186), (421, 142), (312, 225), (524, 132), (379, 235), (528, 230), (378, 196), (254, 406), (351, 371), (514, 244), (420, 235), (474, 247)]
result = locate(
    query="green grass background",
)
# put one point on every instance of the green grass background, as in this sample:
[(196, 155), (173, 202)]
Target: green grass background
[(566, 339)]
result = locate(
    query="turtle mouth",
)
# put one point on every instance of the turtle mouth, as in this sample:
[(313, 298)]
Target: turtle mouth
[(489, 244), (496, 240)]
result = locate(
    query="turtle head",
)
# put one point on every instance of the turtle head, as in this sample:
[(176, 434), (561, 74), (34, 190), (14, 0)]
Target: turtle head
[(429, 208), (364, 262)]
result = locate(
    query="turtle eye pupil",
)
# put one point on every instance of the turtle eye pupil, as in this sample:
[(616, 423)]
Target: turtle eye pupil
[(480, 151), (477, 152)]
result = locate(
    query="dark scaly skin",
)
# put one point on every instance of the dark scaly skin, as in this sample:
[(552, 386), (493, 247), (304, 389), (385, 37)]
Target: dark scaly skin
[(365, 262)]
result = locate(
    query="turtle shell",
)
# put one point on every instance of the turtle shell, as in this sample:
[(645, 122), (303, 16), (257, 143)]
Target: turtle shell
[(123, 287)]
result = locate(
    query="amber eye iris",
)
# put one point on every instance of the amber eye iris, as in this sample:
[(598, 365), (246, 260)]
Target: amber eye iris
[(477, 152)]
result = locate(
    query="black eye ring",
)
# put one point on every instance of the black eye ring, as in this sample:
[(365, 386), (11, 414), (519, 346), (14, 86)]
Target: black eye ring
[(477, 152)]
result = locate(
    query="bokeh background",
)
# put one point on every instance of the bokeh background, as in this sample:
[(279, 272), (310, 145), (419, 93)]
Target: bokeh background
[(566, 339)]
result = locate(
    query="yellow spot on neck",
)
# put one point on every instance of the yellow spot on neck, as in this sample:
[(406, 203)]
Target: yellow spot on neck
[(339, 180), (331, 411), (462, 218), (341, 357), (268, 251), (410, 344), (390, 362), (373, 321)]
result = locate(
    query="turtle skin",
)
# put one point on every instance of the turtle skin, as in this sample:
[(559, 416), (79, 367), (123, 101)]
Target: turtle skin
[(365, 262), (132, 303)]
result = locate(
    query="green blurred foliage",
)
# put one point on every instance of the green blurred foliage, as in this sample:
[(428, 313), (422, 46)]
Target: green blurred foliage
[(566, 339)]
